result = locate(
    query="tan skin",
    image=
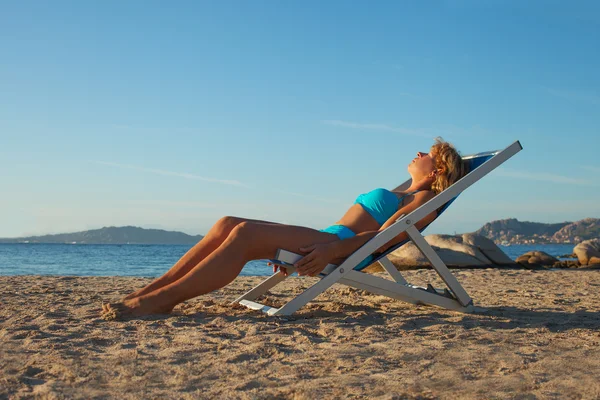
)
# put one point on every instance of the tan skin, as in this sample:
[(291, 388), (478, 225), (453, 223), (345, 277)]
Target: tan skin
[(219, 257)]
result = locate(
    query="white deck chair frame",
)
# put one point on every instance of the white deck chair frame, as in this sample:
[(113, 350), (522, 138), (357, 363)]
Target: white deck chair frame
[(457, 299)]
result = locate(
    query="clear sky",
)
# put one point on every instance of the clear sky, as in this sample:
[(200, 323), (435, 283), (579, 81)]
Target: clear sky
[(172, 114)]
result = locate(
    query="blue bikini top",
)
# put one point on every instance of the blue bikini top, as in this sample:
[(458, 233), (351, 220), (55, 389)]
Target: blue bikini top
[(380, 203)]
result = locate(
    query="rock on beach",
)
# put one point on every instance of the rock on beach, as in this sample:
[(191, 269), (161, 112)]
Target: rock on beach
[(588, 252), (457, 251)]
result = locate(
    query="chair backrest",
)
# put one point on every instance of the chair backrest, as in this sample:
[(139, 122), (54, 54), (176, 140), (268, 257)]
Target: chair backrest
[(471, 162)]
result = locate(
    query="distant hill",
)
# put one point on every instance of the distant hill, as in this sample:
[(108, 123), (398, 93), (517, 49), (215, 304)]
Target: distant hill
[(505, 231), (113, 235), (513, 231)]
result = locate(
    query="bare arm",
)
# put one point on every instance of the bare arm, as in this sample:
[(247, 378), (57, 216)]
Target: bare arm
[(417, 201), (343, 248), (318, 255)]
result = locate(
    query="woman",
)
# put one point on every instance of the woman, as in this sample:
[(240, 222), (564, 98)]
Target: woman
[(219, 257)]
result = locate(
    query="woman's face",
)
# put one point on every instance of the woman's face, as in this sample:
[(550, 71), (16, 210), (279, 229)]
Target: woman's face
[(422, 165)]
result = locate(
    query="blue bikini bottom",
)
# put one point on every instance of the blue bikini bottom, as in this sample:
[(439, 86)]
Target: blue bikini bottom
[(344, 232)]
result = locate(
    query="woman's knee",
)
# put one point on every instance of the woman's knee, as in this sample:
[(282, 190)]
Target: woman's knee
[(242, 230), (226, 224), (245, 239)]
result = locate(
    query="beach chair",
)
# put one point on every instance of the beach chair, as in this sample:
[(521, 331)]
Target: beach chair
[(454, 297)]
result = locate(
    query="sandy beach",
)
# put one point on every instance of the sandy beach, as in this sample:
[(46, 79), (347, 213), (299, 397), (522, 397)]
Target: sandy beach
[(539, 338)]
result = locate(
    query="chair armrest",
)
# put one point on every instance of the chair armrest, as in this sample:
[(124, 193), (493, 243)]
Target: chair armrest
[(287, 259)]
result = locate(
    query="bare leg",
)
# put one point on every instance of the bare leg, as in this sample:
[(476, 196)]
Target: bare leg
[(247, 241), (213, 239)]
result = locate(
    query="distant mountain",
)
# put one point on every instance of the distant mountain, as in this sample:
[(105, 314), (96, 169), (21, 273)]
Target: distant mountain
[(113, 235), (513, 231), (505, 231)]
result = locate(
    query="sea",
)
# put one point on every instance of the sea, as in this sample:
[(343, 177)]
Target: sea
[(144, 260)]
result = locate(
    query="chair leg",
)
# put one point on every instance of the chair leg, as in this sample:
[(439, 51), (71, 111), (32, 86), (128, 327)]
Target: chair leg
[(309, 294), (385, 287), (262, 288), (391, 269), (441, 268)]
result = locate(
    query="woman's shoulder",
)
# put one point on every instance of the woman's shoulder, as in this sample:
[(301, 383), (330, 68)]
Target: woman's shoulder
[(429, 193), (417, 193), (424, 195)]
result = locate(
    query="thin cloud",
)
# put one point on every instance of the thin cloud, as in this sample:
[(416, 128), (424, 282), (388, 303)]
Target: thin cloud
[(189, 204), (441, 130), (374, 127), (543, 177), (201, 178), (171, 173), (557, 207)]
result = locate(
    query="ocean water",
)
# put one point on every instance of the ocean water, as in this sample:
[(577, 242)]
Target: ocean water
[(142, 260), (556, 250)]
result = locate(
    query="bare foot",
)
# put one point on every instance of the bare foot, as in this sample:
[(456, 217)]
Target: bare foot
[(133, 295), (145, 290), (131, 309)]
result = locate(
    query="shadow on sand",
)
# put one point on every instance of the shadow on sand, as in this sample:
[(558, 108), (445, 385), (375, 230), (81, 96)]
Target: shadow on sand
[(511, 318)]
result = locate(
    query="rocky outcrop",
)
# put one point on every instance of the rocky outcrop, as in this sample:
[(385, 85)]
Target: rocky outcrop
[(468, 250), (513, 231), (576, 232), (488, 248), (588, 252), (536, 258)]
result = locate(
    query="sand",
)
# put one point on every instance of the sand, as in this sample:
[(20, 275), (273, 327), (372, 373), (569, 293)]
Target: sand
[(539, 338)]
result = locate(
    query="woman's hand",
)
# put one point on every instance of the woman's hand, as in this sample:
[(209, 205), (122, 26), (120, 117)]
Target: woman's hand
[(282, 269), (316, 259)]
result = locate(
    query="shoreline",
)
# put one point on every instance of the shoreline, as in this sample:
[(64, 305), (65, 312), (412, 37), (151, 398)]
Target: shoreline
[(371, 269), (539, 336)]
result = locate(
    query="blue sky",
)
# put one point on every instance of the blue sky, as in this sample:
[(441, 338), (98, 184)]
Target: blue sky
[(170, 116)]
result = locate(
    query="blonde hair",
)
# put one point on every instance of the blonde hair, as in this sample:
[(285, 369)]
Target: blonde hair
[(448, 163)]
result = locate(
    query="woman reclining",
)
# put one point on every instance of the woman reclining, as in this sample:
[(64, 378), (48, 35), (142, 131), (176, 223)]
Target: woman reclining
[(219, 257)]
